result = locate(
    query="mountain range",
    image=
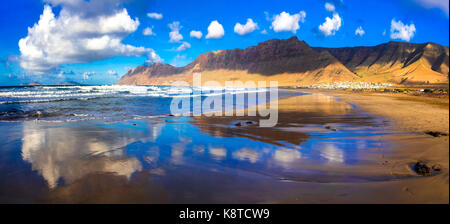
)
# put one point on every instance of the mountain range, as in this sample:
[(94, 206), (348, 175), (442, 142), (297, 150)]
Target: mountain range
[(292, 62)]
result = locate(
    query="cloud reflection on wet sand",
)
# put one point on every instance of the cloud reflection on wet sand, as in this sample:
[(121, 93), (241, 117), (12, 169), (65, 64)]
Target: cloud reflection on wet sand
[(70, 154), (192, 160)]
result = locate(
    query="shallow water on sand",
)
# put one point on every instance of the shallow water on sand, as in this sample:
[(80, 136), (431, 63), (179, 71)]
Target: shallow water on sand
[(318, 139)]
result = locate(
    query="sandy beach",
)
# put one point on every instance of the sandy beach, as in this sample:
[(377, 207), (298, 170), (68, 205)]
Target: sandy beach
[(411, 117), (388, 174), (327, 147)]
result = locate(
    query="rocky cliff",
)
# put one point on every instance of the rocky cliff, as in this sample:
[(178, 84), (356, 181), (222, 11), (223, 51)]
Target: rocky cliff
[(396, 62), (294, 62), (290, 62)]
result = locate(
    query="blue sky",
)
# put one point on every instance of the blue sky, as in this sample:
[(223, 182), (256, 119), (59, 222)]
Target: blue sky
[(97, 41)]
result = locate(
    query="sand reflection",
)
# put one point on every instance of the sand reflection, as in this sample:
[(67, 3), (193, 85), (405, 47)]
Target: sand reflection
[(296, 115), (317, 103)]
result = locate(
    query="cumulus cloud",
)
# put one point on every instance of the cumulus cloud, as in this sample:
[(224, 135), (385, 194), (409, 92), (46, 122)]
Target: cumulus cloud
[(152, 57), (64, 74), (331, 25), (196, 34), (148, 32), (215, 30), (440, 4), (266, 14), (112, 73), (185, 45), (11, 59), (359, 31), (402, 31), (264, 31), (87, 75), (88, 9), (155, 15), (61, 75), (175, 36), (179, 60), (82, 32), (287, 22), (330, 7), (249, 27)]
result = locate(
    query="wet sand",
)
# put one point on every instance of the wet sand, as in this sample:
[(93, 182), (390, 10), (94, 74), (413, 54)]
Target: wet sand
[(328, 147), (408, 113), (410, 118), (388, 174)]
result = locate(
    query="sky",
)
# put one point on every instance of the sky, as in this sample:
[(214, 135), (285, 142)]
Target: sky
[(98, 41)]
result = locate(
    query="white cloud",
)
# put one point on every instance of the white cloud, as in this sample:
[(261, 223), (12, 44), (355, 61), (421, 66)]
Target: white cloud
[(331, 25), (267, 16), (112, 73), (11, 59), (179, 60), (185, 45), (148, 32), (286, 22), (155, 15), (440, 4), (78, 35), (249, 27), (196, 34), (264, 31), (89, 9), (87, 75), (384, 33), (359, 31), (60, 75), (175, 36), (330, 7), (215, 30), (402, 31), (152, 57)]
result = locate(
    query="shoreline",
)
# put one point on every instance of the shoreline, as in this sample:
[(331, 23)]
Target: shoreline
[(407, 144), (404, 110), (328, 147), (411, 117)]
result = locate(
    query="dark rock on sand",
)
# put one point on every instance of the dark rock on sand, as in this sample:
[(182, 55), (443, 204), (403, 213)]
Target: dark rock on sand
[(422, 169), (330, 128), (436, 133), (245, 123), (436, 167), (37, 114)]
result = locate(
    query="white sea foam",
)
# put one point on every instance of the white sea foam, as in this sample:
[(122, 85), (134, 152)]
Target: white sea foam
[(61, 93)]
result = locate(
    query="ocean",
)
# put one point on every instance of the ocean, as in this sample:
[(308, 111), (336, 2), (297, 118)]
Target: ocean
[(110, 102)]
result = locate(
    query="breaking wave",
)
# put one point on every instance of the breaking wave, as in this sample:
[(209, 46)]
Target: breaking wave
[(88, 102), (61, 93)]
